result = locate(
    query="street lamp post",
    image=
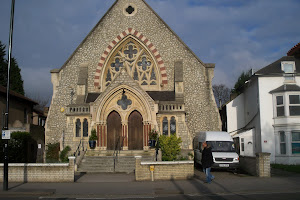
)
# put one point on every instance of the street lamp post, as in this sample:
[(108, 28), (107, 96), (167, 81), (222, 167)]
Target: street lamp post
[(5, 172)]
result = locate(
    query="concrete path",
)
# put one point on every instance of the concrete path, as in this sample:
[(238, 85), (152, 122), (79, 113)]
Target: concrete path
[(123, 186)]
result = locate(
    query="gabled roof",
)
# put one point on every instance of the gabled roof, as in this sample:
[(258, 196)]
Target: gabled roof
[(286, 88), (275, 67), (17, 95)]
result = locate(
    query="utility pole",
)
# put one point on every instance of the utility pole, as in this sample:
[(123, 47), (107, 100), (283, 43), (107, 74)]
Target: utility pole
[(5, 172)]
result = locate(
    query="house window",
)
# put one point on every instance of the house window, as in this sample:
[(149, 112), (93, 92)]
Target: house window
[(165, 126), (25, 116), (295, 142), (242, 144), (294, 106), (78, 128), (279, 106), (173, 125), (289, 68), (85, 128), (282, 142)]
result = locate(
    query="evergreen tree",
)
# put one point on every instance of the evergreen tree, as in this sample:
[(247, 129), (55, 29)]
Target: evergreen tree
[(16, 82), (240, 85)]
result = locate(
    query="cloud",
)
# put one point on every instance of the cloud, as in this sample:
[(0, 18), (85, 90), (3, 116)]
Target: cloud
[(234, 34)]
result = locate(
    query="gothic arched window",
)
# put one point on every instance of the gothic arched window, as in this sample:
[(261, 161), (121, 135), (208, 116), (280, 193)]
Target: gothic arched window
[(138, 63), (165, 126), (173, 125), (78, 128), (85, 128)]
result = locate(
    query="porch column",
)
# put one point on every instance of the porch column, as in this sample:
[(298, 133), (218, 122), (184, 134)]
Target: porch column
[(101, 130), (125, 135), (146, 130)]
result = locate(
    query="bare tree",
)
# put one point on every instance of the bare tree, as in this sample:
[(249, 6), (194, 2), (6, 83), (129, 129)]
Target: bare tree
[(42, 101), (221, 93)]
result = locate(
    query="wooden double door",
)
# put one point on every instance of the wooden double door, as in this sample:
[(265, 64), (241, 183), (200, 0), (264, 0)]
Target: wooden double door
[(135, 131)]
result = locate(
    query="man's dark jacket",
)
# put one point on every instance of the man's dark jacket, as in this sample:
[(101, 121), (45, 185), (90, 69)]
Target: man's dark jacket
[(207, 158)]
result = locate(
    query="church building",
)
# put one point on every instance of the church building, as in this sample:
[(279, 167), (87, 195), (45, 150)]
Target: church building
[(130, 75)]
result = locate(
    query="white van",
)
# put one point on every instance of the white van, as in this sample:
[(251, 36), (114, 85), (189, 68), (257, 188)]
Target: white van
[(223, 150)]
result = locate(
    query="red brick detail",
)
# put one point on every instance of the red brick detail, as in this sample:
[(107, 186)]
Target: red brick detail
[(98, 134), (104, 133), (110, 47), (163, 68), (161, 62), (98, 70), (150, 45), (97, 77), (114, 42), (102, 58), (96, 84), (145, 41), (100, 64), (165, 82), (124, 33), (129, 29), (135, 33), (119, 37), (164, 75), (105, 52), (157, 56), (141, 36), (154, 50)]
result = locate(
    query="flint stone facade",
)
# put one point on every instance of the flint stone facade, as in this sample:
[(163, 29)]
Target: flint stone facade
[(84, 89)]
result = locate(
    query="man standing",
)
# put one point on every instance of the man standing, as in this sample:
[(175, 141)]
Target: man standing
[(207, 161)]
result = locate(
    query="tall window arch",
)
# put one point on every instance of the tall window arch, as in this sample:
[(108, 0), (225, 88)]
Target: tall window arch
[(173, 125), (85, 128), (137, 61), (78, 128), (165, 126)]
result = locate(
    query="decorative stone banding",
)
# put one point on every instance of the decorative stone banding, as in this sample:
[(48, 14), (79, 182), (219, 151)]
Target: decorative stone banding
[(141, 37)]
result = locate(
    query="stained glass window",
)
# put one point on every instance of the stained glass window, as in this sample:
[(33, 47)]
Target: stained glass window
[(165, 125), (85, 128), (137, 61), (173, 125), (78, 128)]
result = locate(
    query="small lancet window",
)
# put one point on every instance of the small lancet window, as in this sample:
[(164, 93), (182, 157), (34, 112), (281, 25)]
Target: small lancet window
[(85, 128), (173, 125), (78, 128), (165, 126)]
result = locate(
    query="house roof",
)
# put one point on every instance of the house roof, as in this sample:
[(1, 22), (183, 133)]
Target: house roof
[(286, 88), (275, 67), (155, 95), (295, 50), (17, 95)]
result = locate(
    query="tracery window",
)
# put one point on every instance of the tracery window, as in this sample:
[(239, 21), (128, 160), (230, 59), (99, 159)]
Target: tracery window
[(169, 125), (136, 60), (173, 125), (165, 126)]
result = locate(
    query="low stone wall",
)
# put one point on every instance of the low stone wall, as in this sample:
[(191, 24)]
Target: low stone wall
[(40, 172), (256, 166), (248, 164), (163, 170)]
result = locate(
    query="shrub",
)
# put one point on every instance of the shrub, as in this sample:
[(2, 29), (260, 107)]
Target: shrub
[(93, 136), (170, 147), (64, 154), (153, 134), (52, 153), (18, 147)]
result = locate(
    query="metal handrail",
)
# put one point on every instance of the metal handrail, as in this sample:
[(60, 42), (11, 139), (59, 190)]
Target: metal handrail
[(78, 147)]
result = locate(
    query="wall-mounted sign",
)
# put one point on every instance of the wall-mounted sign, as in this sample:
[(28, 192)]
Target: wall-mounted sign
[(6, 134)]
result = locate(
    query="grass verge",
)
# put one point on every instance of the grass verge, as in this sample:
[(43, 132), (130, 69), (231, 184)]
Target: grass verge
[(289, 168)]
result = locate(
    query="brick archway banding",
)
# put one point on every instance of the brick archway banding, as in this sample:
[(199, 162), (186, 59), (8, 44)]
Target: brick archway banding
[(141, 37)]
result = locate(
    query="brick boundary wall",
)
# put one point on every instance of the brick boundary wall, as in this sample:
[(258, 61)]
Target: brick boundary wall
[(40, 172), (163, 170), (256, 166)]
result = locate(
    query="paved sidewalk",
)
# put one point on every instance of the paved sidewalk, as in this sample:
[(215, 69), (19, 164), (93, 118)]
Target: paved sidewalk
[(124, 186)]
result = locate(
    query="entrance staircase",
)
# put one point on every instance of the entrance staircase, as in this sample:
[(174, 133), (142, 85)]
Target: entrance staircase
[(107, 161)]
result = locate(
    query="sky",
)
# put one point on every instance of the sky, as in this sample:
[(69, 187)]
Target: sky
[(236, 35)]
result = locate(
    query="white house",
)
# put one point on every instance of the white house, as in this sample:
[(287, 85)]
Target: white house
[(266, 116)]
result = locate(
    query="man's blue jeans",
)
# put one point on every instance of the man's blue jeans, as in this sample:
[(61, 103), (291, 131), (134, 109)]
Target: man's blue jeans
[(209, 177)]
